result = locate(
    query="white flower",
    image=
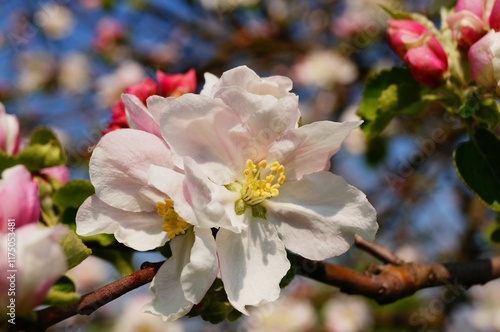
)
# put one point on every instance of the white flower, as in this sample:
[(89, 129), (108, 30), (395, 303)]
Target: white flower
[(132, 319), (144, 218), (110, 86), (74, 72), (271, 177), (40, 261), (347, 313), (287, 314), (325, 69), (55, 20)]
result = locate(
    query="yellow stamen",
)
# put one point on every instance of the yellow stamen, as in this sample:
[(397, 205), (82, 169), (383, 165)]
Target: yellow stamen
[(173, 224), (257, 187)]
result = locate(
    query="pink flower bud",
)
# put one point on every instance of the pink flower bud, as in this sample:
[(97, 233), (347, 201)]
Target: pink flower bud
[(484, 58), (60, 173), (494, 16), (177, 84), (9, 132), (419, 49), (466, 27), (473, 6), (18, 197)]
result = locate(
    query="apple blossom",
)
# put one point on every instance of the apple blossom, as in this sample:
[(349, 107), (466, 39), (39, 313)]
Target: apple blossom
[(484, 58), (142, 217), (419, 49), (466, 23), (9, 132), (18, 197), (40, 261), (270, 176), (168, 85)]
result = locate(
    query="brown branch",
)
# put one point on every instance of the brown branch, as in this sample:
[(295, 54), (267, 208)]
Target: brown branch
[(388, 283), (383, 283), (377, 250), (92, 301)]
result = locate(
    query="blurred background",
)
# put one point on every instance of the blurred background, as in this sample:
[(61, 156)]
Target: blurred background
[(64, 64)]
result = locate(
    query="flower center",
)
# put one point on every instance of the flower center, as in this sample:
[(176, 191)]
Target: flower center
[(173, 224), (261, 182)]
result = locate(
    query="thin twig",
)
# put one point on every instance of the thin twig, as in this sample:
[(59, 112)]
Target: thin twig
[(377, 250)]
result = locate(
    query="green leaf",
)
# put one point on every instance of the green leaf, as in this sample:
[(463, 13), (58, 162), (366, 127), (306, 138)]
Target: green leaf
[(74, 249), (488, 113), (103, 240), (477, 163), (6, 161), (387, 94), (38, 156), (44, 150), (62, 292), (73, 194)]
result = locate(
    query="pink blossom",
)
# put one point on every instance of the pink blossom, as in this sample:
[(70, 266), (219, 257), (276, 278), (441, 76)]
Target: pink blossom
[(18, 197), (419, 49), (60, 173), (484, 58), (169, 85), (40, 262)]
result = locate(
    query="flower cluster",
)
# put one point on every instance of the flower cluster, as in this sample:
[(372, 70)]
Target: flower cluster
[(230, 181), (39, 259), (474, 27)]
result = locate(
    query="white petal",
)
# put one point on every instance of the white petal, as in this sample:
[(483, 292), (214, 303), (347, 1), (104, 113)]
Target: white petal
[(265, 116), (199, 274), (201, 128), (210, 81), (308, 149), (138, 230), (119, 166), (171, 183), (138, 116), (157, 105), (318, 215), (252, 264), (169, 301)]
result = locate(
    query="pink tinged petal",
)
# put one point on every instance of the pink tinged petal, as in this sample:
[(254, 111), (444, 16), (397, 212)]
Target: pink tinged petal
[(199, 274), (308, 149), (172, 184), (252, 264), (9, 132), (40, 262), (210, 81), (466, 27), (60, 173), (119, 167), (200, 127), (196, 199), (494, 19), (156, 105), (318, 216), (473, 6), (402, 34), (18, 197), (246, 78), (138, 116), (169, 300), (210, 200), (425, 67), (138, 230), (481, 58), (265, 117)]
